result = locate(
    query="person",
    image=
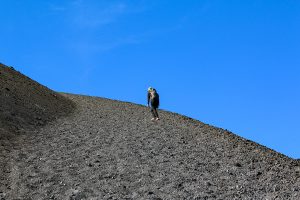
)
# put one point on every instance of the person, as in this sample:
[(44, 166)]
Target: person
[(153, 102)]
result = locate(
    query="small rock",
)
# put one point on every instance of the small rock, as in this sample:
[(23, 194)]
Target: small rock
[(90, 165), (238, 165), (259, 173), (2, 195), (276, 188), (38, 118)]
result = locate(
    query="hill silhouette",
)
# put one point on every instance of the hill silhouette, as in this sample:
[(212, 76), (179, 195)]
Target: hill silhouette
[(81, 147), (25, 103)]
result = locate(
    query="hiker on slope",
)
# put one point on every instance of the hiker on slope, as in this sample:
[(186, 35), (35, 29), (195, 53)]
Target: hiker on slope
[(153, 102)]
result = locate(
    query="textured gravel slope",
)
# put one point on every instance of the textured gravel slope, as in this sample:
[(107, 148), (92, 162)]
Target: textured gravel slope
[(111, 150), (24, 105), (80, 147)]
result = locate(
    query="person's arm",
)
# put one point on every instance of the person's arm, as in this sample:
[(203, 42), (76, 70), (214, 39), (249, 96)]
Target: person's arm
[(148, 98)]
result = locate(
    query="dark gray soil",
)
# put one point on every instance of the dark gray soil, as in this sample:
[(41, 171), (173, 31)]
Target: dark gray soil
[(108, 149), (25, 104)]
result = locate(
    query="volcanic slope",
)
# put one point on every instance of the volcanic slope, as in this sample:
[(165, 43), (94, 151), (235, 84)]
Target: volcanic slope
[(109, 149), (25, 105)]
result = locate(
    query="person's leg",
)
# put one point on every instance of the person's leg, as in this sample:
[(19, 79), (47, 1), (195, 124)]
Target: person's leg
[(153, 113), (156, 114), (154, 106)]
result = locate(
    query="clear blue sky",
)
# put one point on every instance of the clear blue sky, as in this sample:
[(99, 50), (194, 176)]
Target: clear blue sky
[(233, 64)]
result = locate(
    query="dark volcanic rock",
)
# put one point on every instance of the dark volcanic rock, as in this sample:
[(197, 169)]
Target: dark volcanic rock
[(26, 104), (112, 150)]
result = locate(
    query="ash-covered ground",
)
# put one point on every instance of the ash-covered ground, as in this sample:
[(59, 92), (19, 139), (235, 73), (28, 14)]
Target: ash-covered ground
[(96, 148)]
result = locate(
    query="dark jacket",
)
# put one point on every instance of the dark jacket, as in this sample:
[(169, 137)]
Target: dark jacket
[(153, 99)]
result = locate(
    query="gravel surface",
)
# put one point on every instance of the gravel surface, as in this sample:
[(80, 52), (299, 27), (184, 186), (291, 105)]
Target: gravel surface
[(108, 149), (26, 104)]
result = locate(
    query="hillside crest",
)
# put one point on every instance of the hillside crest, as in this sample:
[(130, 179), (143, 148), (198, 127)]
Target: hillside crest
[(64, 146)]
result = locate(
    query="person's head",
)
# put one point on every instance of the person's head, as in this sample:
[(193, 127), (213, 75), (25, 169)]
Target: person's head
[(150, 89)]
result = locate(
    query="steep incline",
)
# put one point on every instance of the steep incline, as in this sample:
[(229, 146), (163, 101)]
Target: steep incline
[(25, 105), (108, 149), (111, 150)]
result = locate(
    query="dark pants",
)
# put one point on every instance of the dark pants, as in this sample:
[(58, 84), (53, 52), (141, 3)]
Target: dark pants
[(154, 102), (154, 112)]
